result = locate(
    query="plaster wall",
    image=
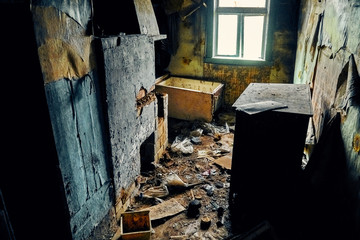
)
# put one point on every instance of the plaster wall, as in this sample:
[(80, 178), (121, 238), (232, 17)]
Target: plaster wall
[(189, 57), (328, 58), (129, 69)]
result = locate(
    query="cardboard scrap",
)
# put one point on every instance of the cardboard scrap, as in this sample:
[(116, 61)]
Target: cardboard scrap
[(224, 162), (165, 209)]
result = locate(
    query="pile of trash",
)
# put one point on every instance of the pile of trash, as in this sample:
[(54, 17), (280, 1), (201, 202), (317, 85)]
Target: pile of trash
[(191, 132), (182, 145), (186, 193)]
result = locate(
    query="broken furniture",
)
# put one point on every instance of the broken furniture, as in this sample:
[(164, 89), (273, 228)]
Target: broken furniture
[(191, 99), (267, 152)]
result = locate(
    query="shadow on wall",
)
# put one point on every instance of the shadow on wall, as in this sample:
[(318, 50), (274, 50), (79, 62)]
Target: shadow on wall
[(327, 204)]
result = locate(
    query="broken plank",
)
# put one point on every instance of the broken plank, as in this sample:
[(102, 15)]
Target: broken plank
[(165, 209), (146, 17)]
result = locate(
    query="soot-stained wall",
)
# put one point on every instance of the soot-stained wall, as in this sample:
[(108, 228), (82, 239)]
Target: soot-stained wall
[(129, 69), (102, 109), (328, 58), (72, 87), (190, 35)]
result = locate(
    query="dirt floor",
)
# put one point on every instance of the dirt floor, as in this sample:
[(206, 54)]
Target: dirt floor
[(198, 180)]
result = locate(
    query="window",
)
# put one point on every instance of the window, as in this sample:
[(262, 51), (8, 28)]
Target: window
[(237, 31)]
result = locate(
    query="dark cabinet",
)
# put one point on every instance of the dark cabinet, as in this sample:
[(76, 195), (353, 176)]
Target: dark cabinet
[(267, 152)]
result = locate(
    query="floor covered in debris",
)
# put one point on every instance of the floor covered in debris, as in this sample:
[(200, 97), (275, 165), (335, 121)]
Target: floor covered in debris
[(196, 172), (187, 192)]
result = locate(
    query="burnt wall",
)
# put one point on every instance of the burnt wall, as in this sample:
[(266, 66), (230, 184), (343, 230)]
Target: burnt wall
[(129, 69), (100, 100), (328, 58), (190, 35), (68, 64)]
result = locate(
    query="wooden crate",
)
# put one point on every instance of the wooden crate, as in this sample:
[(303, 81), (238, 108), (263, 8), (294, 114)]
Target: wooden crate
[(135, 225)]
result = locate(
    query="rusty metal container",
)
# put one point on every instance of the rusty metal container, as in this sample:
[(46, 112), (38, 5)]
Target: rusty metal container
[(135, 225), (191, 99)]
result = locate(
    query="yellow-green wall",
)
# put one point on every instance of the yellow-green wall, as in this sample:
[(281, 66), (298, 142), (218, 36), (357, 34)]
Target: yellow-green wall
[(189, 58)]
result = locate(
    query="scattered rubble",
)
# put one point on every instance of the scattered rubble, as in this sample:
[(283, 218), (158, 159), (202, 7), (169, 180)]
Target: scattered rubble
[(155, 192), (188, 189), (193, 209)]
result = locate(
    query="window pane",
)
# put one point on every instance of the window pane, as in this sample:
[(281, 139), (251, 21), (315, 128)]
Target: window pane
[(253, 36), (227, 35), (242, 3)]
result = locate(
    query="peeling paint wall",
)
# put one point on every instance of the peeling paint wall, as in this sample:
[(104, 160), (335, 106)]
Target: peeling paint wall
[(65, 50), (236, 78), (101, 104), (72, 87), (328, 58), (188, 60)]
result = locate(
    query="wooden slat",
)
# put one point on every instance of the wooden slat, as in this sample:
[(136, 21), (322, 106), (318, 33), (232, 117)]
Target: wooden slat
[(146, 17)]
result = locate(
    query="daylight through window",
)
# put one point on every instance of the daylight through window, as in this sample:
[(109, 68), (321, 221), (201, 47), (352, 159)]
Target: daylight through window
[(238, 29)]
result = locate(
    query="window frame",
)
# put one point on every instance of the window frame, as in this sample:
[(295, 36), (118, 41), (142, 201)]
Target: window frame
[(212, 28)]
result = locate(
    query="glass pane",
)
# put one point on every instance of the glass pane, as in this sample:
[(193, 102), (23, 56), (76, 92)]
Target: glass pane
[(227, 35), (253, 36), (242, 3)]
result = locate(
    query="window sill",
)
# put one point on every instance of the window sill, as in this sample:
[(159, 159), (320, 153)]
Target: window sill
[(239, 62)]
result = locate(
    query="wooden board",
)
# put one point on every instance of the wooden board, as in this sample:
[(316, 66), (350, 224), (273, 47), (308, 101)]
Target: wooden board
[(146, 17), (224, 162), (165, 209)]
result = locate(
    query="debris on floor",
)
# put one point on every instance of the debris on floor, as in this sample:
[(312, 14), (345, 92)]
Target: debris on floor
[(187, 191), (165, 209)]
